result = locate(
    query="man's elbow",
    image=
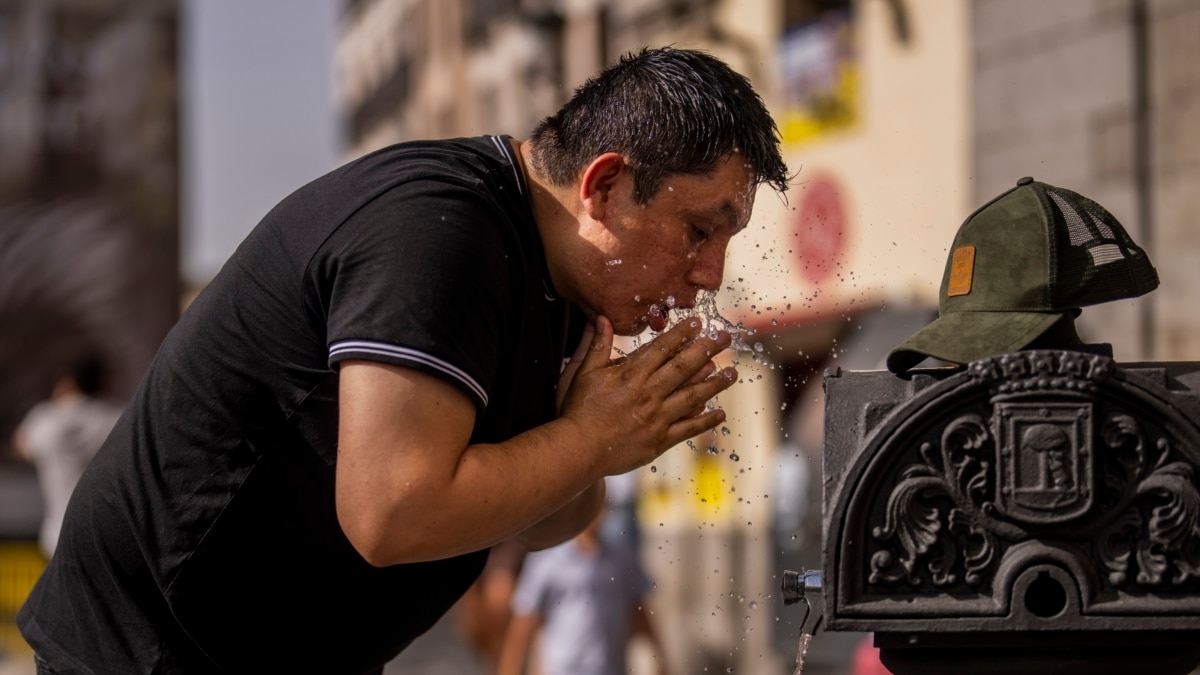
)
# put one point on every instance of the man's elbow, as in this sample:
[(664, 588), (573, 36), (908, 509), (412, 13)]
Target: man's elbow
[(368, 533)]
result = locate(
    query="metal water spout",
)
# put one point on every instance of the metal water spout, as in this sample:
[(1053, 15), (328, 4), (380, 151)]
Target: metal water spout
[(797, 585)]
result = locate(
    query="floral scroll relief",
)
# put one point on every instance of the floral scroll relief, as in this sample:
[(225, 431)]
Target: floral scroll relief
[(923, 528), (1166, 544)]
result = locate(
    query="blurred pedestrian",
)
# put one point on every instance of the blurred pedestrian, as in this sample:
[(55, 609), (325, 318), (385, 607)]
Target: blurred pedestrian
[(483, 612), (582, 603), (61, 435), (372, 391)]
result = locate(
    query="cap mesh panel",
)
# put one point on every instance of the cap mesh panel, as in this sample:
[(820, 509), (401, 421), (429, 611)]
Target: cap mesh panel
[(1077, 228), (1106, 253), (1095, 259), (1104, 231)]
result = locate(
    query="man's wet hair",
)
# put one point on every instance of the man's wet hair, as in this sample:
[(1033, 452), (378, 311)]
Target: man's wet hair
[(667, 111)]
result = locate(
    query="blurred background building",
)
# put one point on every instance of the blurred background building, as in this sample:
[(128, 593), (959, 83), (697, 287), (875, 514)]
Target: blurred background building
[(88, 190), (899, 117)]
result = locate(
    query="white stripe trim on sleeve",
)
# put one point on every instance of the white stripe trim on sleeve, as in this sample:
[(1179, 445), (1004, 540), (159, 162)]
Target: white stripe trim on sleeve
[(344, 347)]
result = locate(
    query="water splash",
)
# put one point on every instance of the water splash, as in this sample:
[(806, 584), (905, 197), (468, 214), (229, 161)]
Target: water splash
[(712, 322)]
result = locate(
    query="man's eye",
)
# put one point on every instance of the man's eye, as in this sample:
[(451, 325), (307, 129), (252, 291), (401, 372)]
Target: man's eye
[(699, 233)]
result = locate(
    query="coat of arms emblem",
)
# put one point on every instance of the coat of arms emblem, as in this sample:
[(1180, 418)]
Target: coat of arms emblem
[(1044, 460)]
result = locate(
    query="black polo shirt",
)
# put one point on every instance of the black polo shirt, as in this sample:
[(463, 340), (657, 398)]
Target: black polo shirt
[(203, 537)]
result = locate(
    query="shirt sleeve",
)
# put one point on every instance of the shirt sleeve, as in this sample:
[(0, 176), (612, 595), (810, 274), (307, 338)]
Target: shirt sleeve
[(418, 277)]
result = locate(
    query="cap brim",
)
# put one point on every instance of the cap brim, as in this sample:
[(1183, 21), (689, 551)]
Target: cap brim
[(962, 337)]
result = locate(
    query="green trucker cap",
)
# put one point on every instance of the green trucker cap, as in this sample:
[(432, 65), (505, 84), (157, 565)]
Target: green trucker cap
[(1017, 265)]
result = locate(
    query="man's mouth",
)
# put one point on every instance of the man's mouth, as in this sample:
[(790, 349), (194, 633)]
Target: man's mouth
[(657, 318)]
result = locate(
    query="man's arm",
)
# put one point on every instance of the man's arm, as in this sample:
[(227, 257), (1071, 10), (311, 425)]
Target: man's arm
[(411, 487), (566, 522)]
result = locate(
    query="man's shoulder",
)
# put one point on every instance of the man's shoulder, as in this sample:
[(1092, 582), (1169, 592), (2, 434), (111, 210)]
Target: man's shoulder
[(429, 156), (460, 170)]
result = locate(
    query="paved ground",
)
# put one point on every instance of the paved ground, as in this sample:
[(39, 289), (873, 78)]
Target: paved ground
[(438, 652)]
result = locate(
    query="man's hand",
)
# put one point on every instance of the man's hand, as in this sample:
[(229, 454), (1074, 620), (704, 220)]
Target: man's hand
[(411, 487), (637, 407), (569, 370)]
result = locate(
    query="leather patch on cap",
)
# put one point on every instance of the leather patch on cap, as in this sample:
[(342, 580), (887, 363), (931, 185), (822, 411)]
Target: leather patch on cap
[(962, 269)]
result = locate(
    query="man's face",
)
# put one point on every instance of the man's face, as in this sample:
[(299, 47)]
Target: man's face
[(658, 256)]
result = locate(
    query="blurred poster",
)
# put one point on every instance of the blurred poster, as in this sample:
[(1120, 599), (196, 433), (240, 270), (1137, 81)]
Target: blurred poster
[(819, 75), (88, 192)]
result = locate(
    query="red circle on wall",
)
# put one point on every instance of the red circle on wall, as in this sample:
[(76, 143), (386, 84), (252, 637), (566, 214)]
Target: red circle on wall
[(819, 229)]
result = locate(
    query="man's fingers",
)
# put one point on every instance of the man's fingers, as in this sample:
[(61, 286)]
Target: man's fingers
[(684, 366), (600, 349), (702, 374), (585, 343), (690, 427), (698, 419), (572, 367), (692, 398), (664, 347)]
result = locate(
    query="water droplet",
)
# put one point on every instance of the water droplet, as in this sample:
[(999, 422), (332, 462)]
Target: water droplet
[(725, 431), (753, 604), (733, 456), (653, 469), (614, 261)]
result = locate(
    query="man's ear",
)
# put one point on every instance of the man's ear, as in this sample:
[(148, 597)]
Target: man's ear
[(598, 181)]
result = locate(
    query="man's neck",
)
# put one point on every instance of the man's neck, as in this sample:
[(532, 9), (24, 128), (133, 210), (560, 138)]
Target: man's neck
[(555, 221)]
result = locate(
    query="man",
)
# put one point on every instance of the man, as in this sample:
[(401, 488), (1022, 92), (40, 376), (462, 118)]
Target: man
[(582, 603), (372, 391), (61, 435)]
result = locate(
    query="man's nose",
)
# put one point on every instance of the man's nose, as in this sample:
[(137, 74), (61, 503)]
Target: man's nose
[(709, 269)]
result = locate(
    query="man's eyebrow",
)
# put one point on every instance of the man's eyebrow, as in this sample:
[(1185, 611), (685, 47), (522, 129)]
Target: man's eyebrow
[(721, 216), (729, 216)]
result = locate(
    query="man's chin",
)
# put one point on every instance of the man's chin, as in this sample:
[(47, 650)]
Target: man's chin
[(629, 327), (655, 320)]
